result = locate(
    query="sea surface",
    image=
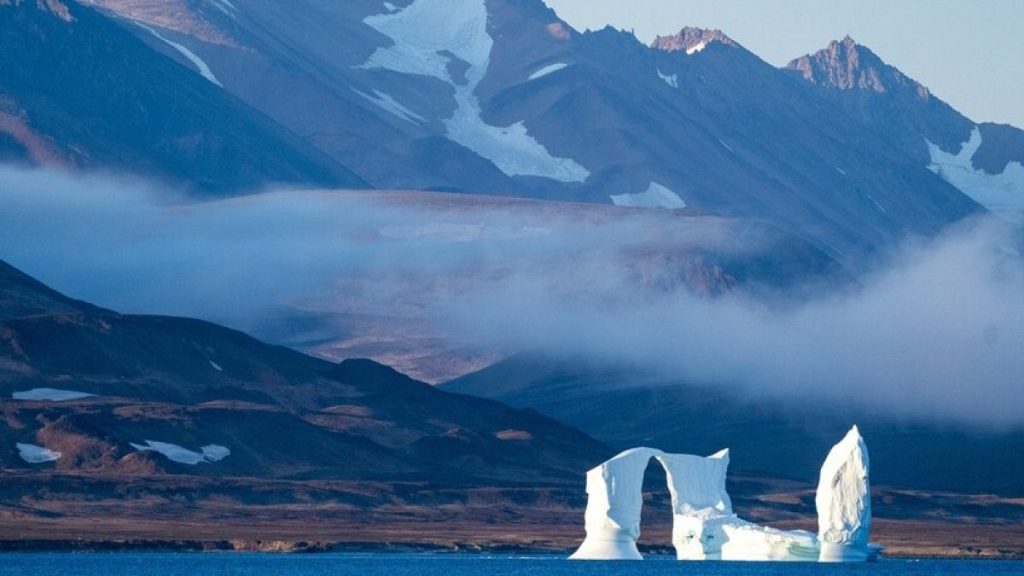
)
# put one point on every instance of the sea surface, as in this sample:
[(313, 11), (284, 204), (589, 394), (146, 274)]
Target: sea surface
[(196, 564)]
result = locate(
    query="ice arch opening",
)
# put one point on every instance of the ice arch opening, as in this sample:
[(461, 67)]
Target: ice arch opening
[(704, 525)]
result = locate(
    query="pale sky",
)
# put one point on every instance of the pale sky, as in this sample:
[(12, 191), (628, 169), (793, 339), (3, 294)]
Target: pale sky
[(970, 53)]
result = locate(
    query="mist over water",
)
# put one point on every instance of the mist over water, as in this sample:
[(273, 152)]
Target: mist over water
[(937, 332)]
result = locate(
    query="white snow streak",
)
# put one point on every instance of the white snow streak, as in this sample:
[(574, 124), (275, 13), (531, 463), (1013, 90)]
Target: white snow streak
[(877, 205), (656, 196), (425, 29), (36, 454), (201, 66), (52, 394), (670, 79), (547, 70), (225, 6), (1001, 193), (385, 101)]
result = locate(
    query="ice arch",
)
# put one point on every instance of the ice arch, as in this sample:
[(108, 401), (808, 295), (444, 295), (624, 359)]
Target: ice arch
[(615, 499), (703, 523)]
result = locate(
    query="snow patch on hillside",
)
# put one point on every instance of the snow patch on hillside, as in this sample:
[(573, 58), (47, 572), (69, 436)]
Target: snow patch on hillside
[(696, 48), (1001, 193), (51, 394), (215, 452), (209, 453), (36, 454), (423, 35), (201, 66), (656, 196), (670, 79), (549, 69), (386, 102)]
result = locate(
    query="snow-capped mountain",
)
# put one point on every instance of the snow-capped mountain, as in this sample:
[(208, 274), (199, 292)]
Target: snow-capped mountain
[(503, 97), (983, 160)]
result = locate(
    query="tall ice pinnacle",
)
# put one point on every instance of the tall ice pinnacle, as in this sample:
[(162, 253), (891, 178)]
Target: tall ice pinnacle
[(844, 502)]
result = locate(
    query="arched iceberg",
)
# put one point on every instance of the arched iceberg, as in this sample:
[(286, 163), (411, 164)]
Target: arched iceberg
[(614, 501), (704, 526)]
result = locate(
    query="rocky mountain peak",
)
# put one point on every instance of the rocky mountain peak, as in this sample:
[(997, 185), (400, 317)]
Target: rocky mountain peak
[(691, 40), (846, 65)]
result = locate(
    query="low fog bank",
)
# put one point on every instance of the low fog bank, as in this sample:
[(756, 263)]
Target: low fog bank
[(936, 333)]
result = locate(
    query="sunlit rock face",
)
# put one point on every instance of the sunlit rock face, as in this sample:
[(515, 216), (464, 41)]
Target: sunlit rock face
[(704, 526), (844, 502)]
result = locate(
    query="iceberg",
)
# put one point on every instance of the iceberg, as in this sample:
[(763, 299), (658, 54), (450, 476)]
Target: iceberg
[(700, 503), (843, 501), (614, 500), (752, 542), (704, 525)]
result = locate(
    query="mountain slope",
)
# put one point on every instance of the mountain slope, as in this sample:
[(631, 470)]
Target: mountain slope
[(504, 97), (23, 296), (76, 90), (729, 134), (628, 406), (279, 413), (983, 160)]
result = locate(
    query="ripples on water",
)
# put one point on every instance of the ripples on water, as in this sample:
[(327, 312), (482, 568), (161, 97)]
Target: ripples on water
[(184, 564)]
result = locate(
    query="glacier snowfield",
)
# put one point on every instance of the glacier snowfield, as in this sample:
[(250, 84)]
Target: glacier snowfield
[(391, 564)]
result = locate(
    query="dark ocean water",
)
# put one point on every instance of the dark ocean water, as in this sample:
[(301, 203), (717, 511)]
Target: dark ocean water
[(186, 564)]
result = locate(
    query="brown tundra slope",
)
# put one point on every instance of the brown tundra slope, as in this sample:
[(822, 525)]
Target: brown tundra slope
[(281, 414)]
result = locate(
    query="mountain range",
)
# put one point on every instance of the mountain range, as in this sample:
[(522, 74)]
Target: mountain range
[(501, 97), (815, 172)]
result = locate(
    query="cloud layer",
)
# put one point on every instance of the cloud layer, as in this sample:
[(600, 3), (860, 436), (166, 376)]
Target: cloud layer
[(937, 333)]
